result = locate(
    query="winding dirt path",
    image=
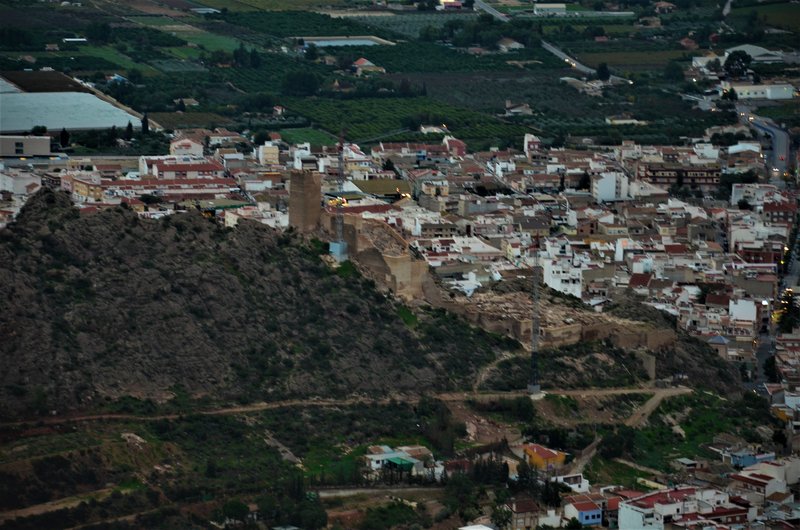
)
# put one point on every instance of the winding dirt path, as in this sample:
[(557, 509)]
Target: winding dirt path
[(638, 417)]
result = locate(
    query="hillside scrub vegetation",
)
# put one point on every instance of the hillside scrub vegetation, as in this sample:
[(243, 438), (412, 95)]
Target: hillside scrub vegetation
[(103, 306)]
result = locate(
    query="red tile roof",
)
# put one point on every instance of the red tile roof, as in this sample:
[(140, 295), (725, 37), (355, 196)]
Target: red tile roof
[(585, 506), (639, 279), (663, 497), (675, 249)]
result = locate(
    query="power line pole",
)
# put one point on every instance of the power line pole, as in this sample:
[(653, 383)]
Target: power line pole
[(534, 387)]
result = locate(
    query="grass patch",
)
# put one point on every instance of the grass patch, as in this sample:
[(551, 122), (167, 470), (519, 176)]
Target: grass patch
[(701, 416), (110, 54), (347, 270), (602, 471), (184, 52), (131, 484), (408, 317), (565, 405)]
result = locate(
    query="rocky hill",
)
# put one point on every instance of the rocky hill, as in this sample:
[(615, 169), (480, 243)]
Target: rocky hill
[(95, 307)]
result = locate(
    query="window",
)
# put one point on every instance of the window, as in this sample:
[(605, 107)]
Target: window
[(19, 148)]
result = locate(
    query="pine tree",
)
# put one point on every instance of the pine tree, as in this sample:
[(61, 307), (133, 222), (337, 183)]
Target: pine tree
[(64, 138), (129, 131), (145, 124)]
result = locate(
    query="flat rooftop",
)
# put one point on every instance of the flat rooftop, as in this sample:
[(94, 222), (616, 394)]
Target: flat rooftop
[(21, 111)]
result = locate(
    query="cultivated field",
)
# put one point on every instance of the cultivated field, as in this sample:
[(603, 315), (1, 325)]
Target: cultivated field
[(785, 16), (369, 118), (411, 24), (270, 5), (313, 136), (178, 120), (655, 60), (43, 82)]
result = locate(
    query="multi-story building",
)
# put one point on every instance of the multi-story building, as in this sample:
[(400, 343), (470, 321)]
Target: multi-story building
[(653, 511), (703, 177)]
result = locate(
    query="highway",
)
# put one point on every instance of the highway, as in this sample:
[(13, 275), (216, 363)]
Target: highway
[(567, 59), (558, 52), (480, 4), (778, 162)]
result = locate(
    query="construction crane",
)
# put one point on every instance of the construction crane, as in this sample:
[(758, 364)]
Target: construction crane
[(534, 387)]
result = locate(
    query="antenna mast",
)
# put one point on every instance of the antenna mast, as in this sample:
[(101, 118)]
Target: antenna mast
[(533, 386)]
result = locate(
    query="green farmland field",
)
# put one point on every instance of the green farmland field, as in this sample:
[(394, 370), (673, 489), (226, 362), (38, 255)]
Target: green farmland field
[(785, 16), (633, 60), (269, 5), (369, 118)]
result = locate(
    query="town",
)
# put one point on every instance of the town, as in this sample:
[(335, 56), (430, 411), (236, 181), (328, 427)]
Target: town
[(475, 265)]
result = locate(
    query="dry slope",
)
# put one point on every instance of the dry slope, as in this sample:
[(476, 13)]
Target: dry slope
[(106, 305)]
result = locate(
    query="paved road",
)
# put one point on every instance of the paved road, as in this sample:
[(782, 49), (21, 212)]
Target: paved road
[(727, 9), (778, 162), (567, 59), (480, 4), (582, 68)]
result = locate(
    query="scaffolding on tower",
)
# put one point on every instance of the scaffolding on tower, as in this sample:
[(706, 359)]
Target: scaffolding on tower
[(338, 246)]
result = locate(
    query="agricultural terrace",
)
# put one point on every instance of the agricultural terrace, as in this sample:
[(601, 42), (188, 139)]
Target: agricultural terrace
[(429, 57), (285, 24), (270, 5), (410, 25), (368, 118)]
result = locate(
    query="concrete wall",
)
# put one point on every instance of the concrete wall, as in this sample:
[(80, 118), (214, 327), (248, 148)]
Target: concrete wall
[(383, 255), (14, 146)]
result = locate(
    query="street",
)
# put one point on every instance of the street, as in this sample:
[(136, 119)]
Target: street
[(778, 161), (582, 68), (480, 4)]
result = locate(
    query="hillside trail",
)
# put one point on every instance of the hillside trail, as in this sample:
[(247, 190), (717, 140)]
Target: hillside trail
[(639, 416), (485, 371), (482, 430), (58, 504)]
